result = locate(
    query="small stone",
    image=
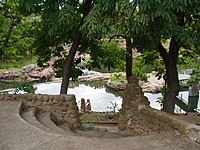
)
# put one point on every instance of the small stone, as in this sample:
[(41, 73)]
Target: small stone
[(46, 99), (125, 133), (77, 126)]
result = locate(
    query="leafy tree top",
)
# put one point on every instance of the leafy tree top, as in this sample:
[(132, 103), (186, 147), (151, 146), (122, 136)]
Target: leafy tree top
[(164, 19)]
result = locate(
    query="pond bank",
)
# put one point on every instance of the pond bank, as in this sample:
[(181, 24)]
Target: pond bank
[(152, 85)]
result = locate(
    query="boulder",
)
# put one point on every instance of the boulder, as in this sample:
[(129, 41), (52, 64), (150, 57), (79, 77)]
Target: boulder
[(28, 68), (34, 73), (9, 75), (116, 85), (47, 74)]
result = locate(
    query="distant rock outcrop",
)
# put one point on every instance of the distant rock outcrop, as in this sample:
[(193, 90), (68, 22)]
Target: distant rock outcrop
[(34, 73), (31, 73), (9, 75)]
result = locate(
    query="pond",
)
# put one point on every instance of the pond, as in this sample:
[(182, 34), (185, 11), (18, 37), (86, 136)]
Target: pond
[(99, 95)]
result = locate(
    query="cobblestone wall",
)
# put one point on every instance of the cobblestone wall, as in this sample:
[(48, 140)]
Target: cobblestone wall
[(64, 107), (138, 117)]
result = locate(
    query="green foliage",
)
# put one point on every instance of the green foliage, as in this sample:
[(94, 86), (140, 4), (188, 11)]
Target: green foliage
[(165, 90), (55, 32), (113, 107), (17, 33), (26, 87), (138, 73), (76, 72), (164, 19), (88, 126), (160, 101), (99, 21), (147, 62), (117, 77), (195, 75), (5, 66), (108, 55), (11, 84), (190, 60)]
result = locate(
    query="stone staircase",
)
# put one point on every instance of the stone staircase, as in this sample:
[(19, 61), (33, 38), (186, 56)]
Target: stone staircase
[(44, 122)]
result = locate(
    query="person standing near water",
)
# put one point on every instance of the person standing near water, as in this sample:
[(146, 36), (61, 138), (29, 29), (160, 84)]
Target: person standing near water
[(83, 105), (88, 106)]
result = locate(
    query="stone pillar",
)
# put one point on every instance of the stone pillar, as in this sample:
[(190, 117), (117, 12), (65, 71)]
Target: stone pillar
[(194, 89), (130, 118), (82, 109), (193, 97)]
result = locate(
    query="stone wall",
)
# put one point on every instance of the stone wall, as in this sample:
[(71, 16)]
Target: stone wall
[(139, 118), (131, 119), (64, 107)]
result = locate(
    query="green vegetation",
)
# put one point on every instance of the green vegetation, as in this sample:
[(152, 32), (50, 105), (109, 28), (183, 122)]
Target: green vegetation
[(98, 117), (108, 55), (5, 66), (166, 33), (88, 126), (18, 86), (26, 87), (7, 85), (117, 77), (16, 34), (113, 107)]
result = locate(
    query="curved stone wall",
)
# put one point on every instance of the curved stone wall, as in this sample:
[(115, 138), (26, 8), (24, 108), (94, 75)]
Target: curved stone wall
[(64, 107), (139, 118)]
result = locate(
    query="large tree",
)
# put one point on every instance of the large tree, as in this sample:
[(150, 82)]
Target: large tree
[(61, 29), (167, 26), (110, 20)]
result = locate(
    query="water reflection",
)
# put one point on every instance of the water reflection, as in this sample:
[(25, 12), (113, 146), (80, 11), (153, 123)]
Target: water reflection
[(101, 97)]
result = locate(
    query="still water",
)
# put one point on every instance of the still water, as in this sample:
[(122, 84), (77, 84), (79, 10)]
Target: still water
[(99, 95)]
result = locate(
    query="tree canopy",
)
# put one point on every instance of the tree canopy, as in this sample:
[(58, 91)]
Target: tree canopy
[(16, 33), (158, 29)]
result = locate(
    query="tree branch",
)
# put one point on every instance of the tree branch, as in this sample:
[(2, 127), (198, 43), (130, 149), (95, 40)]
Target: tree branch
[(10, 29), (117, 35), (173, 49), (163, 52)]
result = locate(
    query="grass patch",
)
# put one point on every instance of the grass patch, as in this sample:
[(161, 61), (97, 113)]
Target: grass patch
[(6, 66), (99, 117), (8, 85), (88, 126), (2, 70)]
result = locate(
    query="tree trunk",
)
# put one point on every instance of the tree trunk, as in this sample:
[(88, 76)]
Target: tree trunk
[(77, 39), (68, 64), (10, 30), (1, 54), (172, 87), (129, 61)]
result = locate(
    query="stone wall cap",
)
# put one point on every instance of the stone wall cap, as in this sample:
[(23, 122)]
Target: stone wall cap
[(133, 79), (193, 126)]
